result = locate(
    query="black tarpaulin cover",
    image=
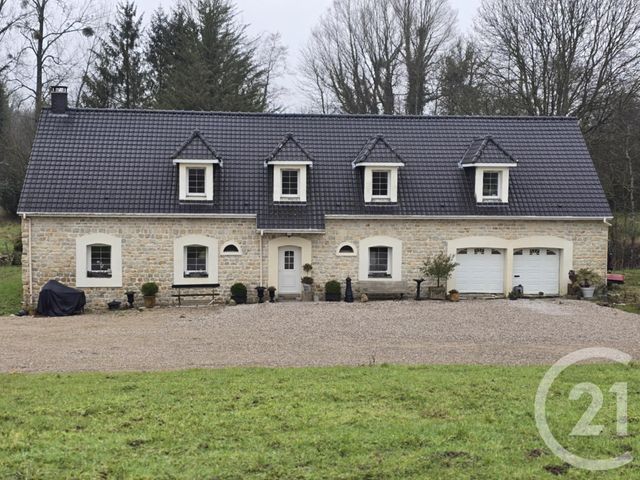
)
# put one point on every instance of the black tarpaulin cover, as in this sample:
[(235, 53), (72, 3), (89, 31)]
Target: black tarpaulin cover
[(58, 300)]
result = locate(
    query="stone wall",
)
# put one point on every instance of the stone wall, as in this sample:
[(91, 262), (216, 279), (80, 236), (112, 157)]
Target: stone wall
[(147, 247)]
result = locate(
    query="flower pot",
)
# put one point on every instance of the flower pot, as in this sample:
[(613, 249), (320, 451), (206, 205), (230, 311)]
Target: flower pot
[(307, 296), (240, 298), (260, 291), (272, 295), (114, 305), (587, 292), (332, 296), (149, 301), (454, 297), (437, 293)]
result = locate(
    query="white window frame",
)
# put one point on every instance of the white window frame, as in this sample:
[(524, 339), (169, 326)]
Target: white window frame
[(293, 196), (302, 182), (503, 185), (395, 258), (83, 260), (230, 254), (392, 185), (183, 179), (180, 259), (381, 274), (188, 273)]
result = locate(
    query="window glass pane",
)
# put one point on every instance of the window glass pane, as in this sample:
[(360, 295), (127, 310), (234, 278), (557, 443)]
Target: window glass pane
[(462, 251), (379, 260), (517, 252), (551, 252), (490, 184), (380, 183), (231, 248), (289, 260), (289, 182), (478, 251), (534, 251), (346, 249), (196, 180), (100, 258), (196, 258)]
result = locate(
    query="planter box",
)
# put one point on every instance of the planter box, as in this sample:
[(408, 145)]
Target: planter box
[(437, 293)]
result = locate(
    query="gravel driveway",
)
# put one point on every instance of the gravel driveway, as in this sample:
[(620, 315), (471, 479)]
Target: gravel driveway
[(297, 334)]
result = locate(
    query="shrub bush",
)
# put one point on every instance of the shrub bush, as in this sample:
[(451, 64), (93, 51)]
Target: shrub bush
[(332, 286), (239, 289), (149, 289)]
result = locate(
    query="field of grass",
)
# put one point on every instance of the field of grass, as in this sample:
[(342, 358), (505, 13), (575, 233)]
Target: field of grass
[(10, 277), (630, 291), (444, 422)]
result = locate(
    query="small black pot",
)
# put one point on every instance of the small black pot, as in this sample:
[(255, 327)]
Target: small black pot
[(239, 299), (332, 296), (260, 291), (272, 295), (130, 298)]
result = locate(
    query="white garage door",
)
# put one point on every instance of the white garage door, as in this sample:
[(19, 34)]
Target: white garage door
[(480, 270), (537, 270)]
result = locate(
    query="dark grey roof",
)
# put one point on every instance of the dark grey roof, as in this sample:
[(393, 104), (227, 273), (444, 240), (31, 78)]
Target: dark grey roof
[(289, 150), (377, 150), (117, 161), (196, 148), (486, 150)]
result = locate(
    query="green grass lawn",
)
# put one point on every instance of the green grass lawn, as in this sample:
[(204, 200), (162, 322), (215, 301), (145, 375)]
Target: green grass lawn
[(10, 290), (348, 423), (10, 277), (631, 291)]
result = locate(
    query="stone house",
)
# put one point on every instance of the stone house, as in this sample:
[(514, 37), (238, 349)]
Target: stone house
[(115, 198)]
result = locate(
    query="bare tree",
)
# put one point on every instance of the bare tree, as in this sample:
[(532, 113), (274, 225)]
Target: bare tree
[(353, 56), (44, 57), (563, 57), (368, 54), (427, 28), (9, 16), (272, 57)]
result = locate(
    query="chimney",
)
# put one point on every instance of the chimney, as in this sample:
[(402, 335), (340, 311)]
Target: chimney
[(58, 99)]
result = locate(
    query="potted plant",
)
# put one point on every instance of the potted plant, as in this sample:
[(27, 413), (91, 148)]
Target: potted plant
[(307, 283), (272, 294), (260, 291), (332, 291), (441, 268), (239, 293), (454, 295), (149, 291), (587, 279)]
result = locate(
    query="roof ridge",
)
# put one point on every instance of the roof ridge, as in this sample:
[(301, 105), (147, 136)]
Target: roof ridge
[(321, 115)]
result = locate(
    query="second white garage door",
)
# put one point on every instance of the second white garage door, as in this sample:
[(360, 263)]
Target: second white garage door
[(479, 270), (537, 270)]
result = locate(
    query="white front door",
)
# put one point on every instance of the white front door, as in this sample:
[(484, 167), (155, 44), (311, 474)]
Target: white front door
[(289, 270), (537, 270), (480, 270)]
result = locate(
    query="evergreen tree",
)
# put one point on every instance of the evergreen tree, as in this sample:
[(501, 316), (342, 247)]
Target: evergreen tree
[(201, 59), (120, 78)]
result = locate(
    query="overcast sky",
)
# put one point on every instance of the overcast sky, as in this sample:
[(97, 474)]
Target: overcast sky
[(294, 19)]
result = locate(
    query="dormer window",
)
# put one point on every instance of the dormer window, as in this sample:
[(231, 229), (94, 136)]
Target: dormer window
[(290, 182), (290, 163), (197, 181), (196, 160), (490, 185), (380, 165), (380, 183), (491, 164)]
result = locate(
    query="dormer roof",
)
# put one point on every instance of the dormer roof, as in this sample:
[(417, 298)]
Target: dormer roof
[(196, 147), (486, 150), (378, 151), (289, 150)]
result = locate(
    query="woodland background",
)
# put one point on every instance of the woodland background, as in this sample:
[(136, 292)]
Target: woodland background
[(550, 57)]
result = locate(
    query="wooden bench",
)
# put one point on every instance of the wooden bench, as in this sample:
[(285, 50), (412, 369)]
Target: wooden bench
[(387, 289), (202, 286)]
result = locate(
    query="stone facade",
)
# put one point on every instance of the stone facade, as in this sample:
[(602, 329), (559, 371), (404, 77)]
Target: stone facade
[(147, 248)]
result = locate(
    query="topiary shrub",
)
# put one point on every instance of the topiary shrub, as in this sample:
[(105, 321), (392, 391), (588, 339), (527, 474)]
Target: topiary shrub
[(149, 289), (239, 293), (332, 291)]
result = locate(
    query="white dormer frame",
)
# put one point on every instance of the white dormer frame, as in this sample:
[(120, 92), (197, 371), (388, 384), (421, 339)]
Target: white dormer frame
[(183, 179), (503, 182), (392, 170), (301, 168)]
